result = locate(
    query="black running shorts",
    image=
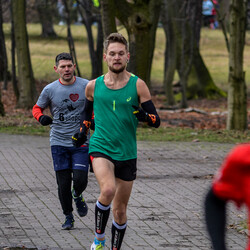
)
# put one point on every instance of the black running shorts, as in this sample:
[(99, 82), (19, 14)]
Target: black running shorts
[(124, 170)]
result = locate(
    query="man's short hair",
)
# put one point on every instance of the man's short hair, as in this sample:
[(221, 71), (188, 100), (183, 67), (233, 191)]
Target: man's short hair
[(63, 56), (115, 38)]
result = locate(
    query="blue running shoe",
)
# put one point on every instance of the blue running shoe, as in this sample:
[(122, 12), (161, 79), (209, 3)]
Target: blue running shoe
[(69, 222), (81, 205)]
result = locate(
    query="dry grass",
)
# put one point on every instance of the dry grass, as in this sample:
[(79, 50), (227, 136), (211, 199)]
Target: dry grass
[(215, 55), (214, 52)]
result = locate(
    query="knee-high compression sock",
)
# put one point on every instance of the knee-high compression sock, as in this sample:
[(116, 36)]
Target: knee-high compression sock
[(118, 232), (215, 215), (101, 218)]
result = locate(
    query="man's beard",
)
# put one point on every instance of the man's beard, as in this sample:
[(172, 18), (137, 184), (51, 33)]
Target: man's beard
[(68, 79), (117, 71)]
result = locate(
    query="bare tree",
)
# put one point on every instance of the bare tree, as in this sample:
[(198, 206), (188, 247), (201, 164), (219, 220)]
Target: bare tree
[(140, 19), (44, 9), (108, 17), (69, 35), (171, 48), (3, 70), (237, 94), (3, 54), (187, 39), (248, 14), (26, 81), (182, 23), (13, 57), (223, 11), (92, 15)]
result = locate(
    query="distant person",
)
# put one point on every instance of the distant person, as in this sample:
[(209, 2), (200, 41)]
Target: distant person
[(207, 13), (65, 97), (61, 12), (214, 13), (231, 183), (115, 98), (75, 13)]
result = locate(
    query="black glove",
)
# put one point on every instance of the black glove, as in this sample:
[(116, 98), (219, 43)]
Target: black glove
[(78, 139), (140, 114), (92, 126), (45, 120)]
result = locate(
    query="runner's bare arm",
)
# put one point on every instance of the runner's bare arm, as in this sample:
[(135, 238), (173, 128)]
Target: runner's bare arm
[(142, 91), (89, 91)]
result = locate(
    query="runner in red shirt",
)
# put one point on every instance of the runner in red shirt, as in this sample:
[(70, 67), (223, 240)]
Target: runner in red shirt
[(231, 183)]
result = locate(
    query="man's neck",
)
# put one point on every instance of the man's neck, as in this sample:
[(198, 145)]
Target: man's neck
[(116, 81), (72, 80)]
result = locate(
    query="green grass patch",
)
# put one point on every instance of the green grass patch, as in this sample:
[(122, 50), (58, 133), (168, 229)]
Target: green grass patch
[(25, 130), (150, 134), (189, 135), (22, 124)]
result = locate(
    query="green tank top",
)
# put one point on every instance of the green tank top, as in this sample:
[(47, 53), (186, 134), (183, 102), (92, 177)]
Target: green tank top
[(115, 123)]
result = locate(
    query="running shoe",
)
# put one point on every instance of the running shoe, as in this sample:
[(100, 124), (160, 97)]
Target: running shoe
[(81, 205), (97, 245), (69, 222)]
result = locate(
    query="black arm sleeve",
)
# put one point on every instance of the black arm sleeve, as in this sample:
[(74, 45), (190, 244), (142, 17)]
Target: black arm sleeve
[(215, 216), (153, 117), (86, 116)]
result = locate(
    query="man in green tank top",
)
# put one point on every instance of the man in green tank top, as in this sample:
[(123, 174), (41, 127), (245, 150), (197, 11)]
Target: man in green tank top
[(115, 99)]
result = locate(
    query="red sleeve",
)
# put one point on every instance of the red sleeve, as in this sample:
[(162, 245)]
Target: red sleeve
[(229, 182), (37, 112)]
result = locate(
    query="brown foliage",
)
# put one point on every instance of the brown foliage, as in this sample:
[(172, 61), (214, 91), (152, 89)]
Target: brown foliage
[(201, 114)]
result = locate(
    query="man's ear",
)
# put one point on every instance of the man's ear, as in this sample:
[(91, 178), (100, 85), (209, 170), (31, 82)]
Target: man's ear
[(128, 57), (55, 68), (104, 56)]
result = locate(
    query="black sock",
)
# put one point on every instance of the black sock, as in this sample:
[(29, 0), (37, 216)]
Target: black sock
[(101, 219), (215, 215), (118, 232)]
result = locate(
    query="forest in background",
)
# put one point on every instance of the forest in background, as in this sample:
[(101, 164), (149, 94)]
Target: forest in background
[(191, 73)]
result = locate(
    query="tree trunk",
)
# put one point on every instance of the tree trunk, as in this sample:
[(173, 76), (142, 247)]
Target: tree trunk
[(2, 112), (91, 14), (182, 18), (13, 58), (45, 16), (201, 83), (3, 59), (99, 51), (224, 12), (108, 17), (237, 95), (140, 19), (188, 43), (3, 55), (248, 14), (70, 38), (171, 50), (221, 16), (95, 55), (28, 93), (182, 24)]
